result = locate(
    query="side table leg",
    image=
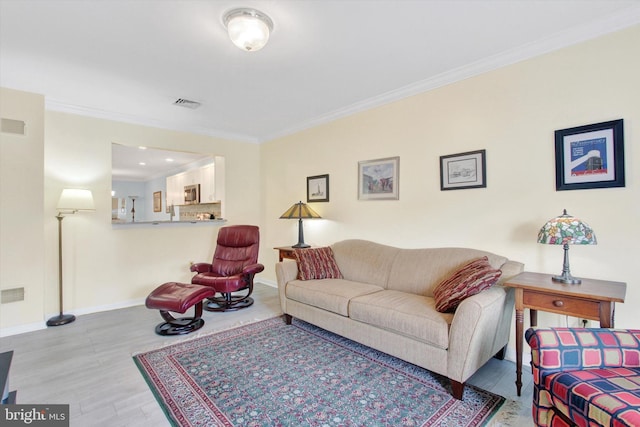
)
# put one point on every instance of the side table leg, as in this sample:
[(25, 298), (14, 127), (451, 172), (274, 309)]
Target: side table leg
[(533, 317), (607, 310), (519, 338)]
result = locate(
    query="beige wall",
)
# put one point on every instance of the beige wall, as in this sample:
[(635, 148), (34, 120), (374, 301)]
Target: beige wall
[(110, 266), (21, 206), (512, 113), (105, 267)]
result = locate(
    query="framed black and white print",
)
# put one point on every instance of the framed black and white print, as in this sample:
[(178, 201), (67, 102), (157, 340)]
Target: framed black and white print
[(379, 179), (463, 170), (590, 156), (318, 188)]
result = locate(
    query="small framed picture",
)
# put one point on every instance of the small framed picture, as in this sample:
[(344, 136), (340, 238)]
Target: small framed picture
[(378, 179), (318, 188), (157, 201), (590, 156), (463, 170)]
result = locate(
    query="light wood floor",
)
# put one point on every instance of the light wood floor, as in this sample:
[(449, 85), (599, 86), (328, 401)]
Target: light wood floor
[(88, 364)]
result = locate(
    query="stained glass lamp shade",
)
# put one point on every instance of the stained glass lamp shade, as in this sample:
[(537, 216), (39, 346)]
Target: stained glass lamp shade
[(566, 230), (298, 211)]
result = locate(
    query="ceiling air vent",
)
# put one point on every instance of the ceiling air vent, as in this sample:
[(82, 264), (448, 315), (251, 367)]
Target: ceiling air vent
[(186, 103)]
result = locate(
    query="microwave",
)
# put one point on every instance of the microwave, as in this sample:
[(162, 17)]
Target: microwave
[(192, 194)]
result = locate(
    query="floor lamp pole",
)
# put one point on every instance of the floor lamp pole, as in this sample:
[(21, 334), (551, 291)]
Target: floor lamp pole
[(61, 319)]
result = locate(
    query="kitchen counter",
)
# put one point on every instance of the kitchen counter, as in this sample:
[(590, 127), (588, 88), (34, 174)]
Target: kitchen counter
[(190, 223)]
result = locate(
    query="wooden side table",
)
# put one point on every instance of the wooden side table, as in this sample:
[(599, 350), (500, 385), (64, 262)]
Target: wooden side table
[(285, 252), (593, 299)]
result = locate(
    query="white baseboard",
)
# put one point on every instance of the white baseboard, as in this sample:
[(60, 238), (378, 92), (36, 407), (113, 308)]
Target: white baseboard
[(510, 355), (36, 326), (270, 283), (108, 307), (21, 329)]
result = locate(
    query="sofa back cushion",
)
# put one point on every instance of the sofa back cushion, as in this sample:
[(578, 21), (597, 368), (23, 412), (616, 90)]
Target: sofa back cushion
[(419, 271), (364, 261)]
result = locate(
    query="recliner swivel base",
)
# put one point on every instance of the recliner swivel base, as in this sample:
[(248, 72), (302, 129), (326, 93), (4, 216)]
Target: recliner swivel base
[(221, 304)]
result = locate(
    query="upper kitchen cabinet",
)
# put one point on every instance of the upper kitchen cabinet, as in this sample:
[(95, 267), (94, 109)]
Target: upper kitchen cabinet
[(175, 189), (208, 180), (208, 184)]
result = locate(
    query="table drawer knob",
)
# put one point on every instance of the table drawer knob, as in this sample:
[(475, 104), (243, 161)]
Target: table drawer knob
[(558, 303)]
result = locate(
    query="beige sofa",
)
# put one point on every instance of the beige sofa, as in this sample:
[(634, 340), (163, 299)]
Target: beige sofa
[(385, 301)]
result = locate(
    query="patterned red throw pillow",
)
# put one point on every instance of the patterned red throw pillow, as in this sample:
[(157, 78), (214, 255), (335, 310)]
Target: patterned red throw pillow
[(316, 263), (472, 278)]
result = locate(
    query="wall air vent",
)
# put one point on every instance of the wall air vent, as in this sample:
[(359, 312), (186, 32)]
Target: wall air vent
[(15, 127), (187, 103), (11, 295)]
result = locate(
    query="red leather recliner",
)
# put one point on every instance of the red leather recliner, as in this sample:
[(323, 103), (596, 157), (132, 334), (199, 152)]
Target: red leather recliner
[(235, 263)]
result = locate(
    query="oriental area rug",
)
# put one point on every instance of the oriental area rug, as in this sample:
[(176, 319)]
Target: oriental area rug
[(270, 374)]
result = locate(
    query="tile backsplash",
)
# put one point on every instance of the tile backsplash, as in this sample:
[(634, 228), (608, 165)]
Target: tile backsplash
[(200, 211)]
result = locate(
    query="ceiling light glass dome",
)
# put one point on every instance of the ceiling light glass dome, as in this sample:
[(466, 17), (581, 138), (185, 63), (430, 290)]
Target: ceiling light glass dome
[(248, 29)]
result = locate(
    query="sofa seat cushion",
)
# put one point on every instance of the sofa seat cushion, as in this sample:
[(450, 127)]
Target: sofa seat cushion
[(597, 397), (408, 314), (328, 294)]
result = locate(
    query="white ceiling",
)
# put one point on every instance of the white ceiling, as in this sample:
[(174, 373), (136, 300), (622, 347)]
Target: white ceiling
[(144, 163), (129, 60)]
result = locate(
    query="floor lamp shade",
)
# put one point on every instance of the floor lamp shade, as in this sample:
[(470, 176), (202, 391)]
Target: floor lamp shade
[(299, 211), (566, 230), (71, 201)]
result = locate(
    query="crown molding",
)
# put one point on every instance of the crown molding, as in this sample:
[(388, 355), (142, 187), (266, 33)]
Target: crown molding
[(625, 19), (63, 107)]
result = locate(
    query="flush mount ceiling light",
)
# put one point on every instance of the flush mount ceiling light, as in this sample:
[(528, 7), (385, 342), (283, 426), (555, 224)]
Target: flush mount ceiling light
[(248, 28)]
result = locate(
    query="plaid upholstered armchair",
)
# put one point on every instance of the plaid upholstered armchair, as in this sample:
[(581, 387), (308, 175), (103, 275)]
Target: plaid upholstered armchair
[(585, 377)]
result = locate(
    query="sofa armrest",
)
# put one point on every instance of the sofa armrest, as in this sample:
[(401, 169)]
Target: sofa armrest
[(563, 349), (473, 336), (286, 271), (509, 270)]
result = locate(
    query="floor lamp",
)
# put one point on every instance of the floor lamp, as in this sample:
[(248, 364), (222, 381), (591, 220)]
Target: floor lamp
[(71, 201)]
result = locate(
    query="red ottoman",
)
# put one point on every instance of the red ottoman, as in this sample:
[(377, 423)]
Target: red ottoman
[(178, 298)]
